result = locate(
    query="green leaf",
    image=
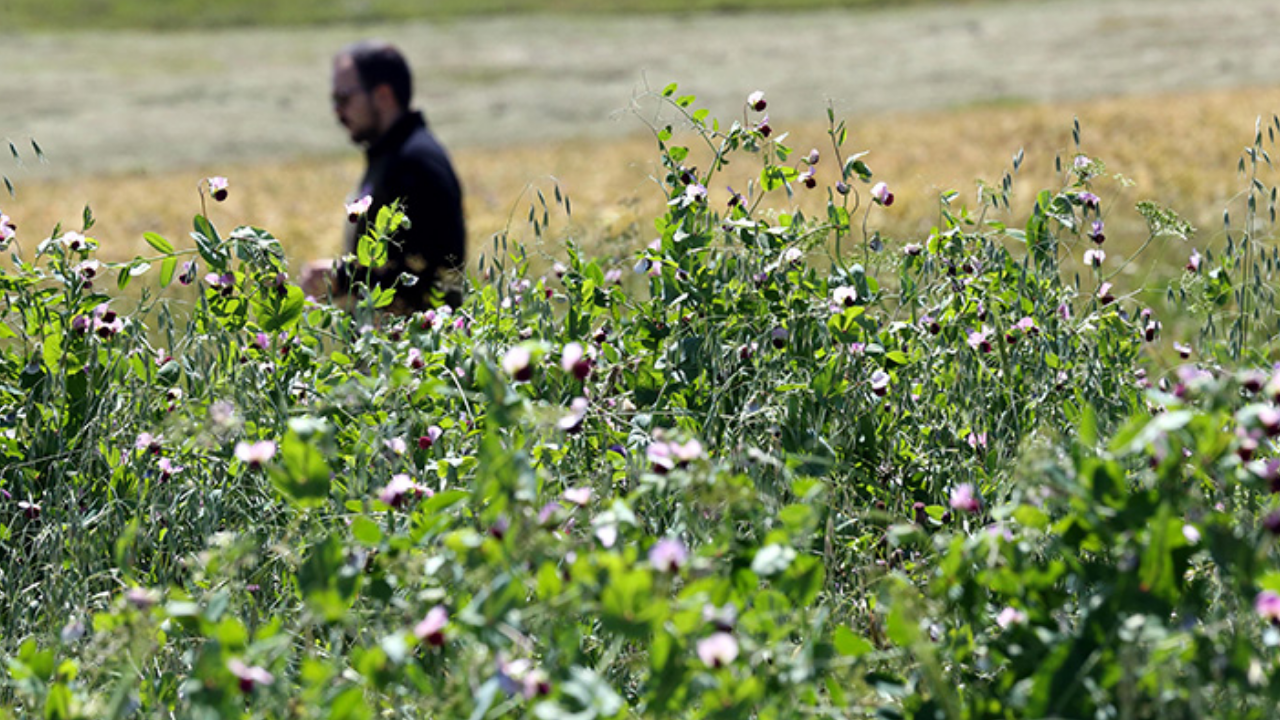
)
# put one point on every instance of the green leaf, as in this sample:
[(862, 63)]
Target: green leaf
[(849, 644), (167, 268), (158, 242), (366, 531), (303, 475)]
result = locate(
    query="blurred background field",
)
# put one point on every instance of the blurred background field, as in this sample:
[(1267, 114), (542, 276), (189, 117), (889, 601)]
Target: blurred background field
[(943, 94)]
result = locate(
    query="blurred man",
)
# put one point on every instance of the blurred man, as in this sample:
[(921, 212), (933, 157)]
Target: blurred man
[(372, 90)]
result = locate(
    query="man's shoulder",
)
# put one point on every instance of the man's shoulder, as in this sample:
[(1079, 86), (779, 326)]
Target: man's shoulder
[(422, 153)]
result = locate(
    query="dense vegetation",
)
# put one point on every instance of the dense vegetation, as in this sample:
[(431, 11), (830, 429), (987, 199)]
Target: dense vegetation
[(745, 476)]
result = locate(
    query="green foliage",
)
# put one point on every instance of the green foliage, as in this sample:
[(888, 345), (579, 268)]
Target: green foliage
[(924, 479)]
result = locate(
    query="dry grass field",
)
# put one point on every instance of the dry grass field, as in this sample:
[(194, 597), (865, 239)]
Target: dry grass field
[(1166, 93)]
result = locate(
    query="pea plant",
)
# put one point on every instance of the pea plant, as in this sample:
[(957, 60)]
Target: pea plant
[(771, 465)]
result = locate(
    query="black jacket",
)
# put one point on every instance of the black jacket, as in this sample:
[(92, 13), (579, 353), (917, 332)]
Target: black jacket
[(410, 165)]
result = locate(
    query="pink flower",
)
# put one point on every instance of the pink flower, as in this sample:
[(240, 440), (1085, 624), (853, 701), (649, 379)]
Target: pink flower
[(431, 629), (255, 454), (843, 297), (397, 446), (1094, 257), (218, 188), (763, 127), (980, 340), (880, 383), (668, 555), (357, 208), (1010, 616), (105, 321), (399, 489), (572, 422), (7, 231), (168, 469), (147, 442), (1267, 604), (1088, 200), (717, 650), (433, 434), (574, 360), (1193, 262), (249, 676), (518, 363), (756, 101), (1184, 351), (880, 193), (963, 498), (807, 177), (578, 495)]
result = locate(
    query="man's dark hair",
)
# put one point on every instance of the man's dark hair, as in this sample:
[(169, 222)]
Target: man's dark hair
[(377, 63)]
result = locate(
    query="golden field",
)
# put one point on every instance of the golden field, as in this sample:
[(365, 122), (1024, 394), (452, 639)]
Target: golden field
[(1179, 150)]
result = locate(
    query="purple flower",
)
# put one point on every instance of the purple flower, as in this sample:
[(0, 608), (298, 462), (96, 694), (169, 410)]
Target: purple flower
[(668, 555), (963, 498), (431, 629), (1088, 200), (1184, 351), (188, 274), (717, 650), (756, 101), (779, 336)]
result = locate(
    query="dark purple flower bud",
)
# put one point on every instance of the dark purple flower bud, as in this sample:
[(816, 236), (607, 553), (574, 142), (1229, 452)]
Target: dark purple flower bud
[(1095, 232)]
